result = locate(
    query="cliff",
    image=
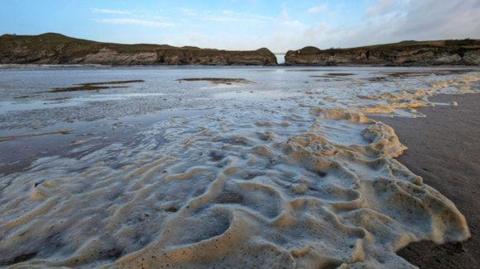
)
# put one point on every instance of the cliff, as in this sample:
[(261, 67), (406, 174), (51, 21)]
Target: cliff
[(54, 48), (406, 53)]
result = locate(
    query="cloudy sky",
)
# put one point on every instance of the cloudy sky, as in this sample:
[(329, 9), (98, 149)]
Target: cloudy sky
[(246, 24)]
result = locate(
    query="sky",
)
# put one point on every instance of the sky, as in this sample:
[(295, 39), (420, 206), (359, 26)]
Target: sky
[(246, 24)]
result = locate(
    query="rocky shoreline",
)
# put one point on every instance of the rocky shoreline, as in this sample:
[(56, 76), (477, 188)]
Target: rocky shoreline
[(57, 49), (407, 53), (54, 48)]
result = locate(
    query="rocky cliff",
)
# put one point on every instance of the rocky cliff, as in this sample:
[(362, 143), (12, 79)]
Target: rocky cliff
[(414, 53), (54, 48)]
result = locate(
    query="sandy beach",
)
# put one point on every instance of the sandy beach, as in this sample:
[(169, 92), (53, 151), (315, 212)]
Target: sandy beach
[(240, 134), (274, 169), (443, 149)]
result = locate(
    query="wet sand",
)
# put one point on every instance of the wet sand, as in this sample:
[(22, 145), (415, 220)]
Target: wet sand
[(217, 81), (444, 149), (267, 182)]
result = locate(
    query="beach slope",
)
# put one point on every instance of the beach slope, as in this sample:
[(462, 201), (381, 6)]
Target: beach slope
[(444, 149)]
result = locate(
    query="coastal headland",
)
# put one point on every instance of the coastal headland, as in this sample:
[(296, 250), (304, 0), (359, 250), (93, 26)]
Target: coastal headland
[(53, 48), (406, 53)]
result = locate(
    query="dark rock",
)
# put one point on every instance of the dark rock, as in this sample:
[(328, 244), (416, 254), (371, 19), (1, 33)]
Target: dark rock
[(407, 53), (54, 48)]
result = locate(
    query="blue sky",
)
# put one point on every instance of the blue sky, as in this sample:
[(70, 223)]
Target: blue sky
[(246, 24)]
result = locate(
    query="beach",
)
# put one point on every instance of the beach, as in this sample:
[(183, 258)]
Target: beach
[(274, 167), (240, 134), (444, 150)]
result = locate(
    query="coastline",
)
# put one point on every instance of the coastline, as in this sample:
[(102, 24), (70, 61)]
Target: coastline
[(443, 149), (79, 154), (55, 48), (233, 66)]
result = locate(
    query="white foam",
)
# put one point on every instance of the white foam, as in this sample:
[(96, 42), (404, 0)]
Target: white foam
[(304, 187)]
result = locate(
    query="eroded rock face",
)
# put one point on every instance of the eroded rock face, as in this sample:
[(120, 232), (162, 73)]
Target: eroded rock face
[(472, 57), (59, 49), (447, 52), (109, 56)]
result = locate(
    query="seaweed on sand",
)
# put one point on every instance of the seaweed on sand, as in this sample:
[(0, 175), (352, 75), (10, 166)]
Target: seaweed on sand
[(227, 81), (96, 86)]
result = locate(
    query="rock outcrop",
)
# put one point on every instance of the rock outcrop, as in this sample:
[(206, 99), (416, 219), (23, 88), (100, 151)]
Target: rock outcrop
[(406, 53), (54, 48)]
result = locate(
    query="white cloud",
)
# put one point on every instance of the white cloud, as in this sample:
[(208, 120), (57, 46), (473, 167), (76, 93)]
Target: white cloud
[(138, 19), (381, 6), (318, 9), (138, 22), (387, 21), (286, 20), (384, 21), (393, 21), (225, 16), (428, 19), (110, 11)]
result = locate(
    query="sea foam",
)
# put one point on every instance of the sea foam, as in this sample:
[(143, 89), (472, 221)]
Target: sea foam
[(302, 187)]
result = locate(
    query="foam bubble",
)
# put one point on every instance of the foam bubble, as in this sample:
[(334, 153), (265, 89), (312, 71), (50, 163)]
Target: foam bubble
[(229, 192)]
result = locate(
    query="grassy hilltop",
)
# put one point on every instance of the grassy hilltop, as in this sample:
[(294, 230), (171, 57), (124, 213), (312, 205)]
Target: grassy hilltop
[(52, 48), (441, 52)]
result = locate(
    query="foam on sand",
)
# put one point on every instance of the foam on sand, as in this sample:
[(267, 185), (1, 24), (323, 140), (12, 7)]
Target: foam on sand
[(417, 98), (229, 193)]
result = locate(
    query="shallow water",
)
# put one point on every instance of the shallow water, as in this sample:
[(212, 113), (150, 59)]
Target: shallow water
[(284, 172)]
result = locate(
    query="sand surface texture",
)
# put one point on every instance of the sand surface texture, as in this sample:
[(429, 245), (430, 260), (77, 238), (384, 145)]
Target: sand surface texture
[(443, 149)]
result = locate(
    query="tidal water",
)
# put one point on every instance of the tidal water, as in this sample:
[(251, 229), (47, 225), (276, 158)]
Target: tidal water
[(281, 169)]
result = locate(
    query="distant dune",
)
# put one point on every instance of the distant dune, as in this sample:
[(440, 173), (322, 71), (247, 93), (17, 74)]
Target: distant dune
[(52, 48), (414, 53)]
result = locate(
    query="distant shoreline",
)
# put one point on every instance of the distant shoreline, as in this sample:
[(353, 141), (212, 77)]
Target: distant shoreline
[(57, 49), (104, 66)]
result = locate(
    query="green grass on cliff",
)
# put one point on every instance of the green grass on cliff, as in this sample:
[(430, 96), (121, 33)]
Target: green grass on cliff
[(56, 42), (404, 45)]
